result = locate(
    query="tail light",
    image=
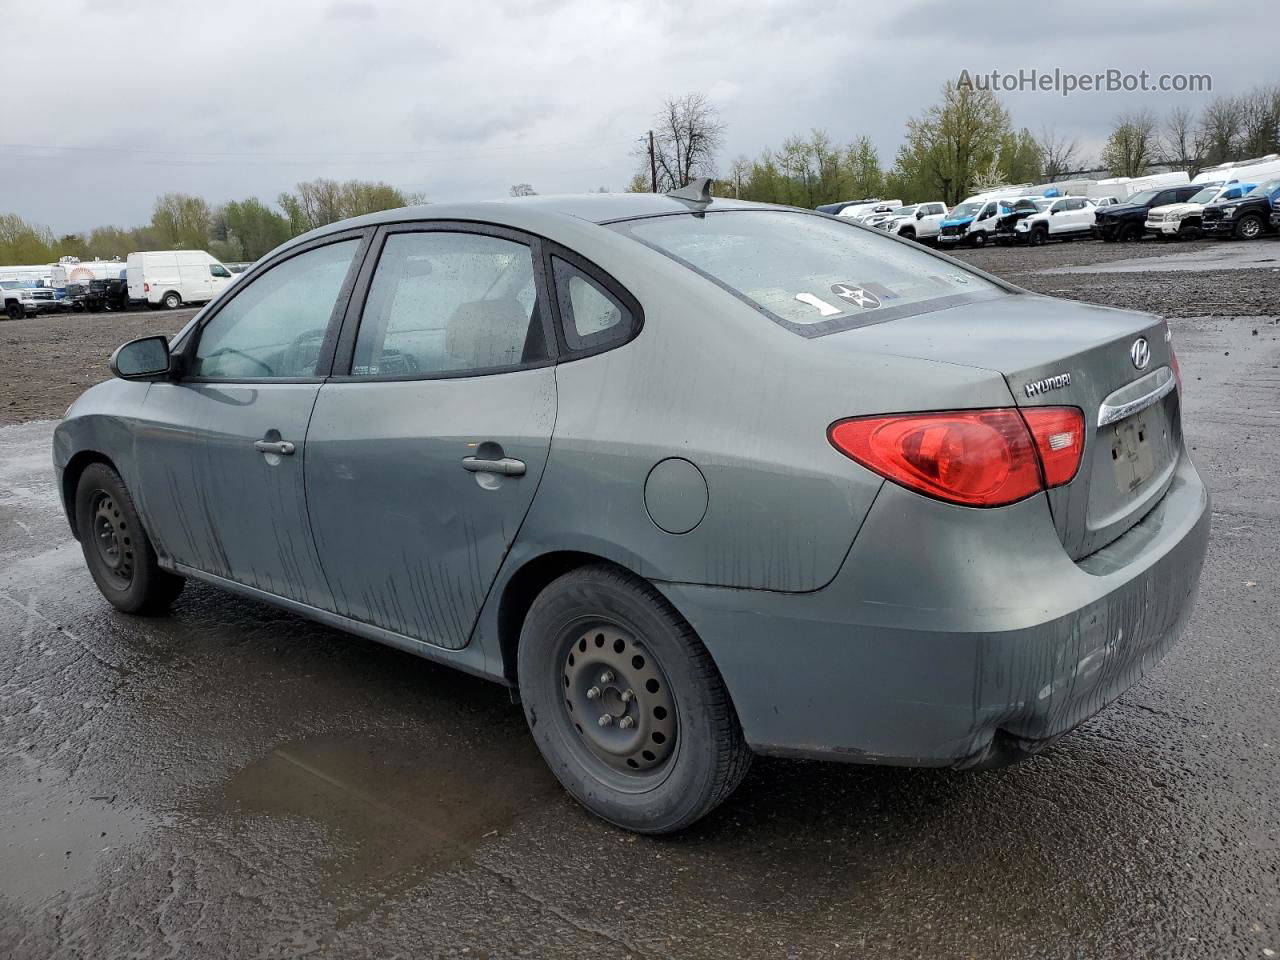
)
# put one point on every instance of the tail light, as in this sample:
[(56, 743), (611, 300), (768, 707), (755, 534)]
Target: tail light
[(978, 458), (1177, 367), (146, 287)]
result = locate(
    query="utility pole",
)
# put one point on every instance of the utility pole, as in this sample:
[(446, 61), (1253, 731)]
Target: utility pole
[(653, 166)]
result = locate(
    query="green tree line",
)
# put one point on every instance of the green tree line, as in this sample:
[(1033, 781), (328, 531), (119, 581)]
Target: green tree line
[(234, 231)]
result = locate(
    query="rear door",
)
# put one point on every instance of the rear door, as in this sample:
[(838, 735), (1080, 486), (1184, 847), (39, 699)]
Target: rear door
[(427, 446), (221, 451)]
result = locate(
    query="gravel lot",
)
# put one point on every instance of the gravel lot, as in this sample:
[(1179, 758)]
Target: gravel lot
[(233, 781), (51, 359)]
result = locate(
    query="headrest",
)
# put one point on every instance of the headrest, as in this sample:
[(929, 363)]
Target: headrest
[(488, 333)]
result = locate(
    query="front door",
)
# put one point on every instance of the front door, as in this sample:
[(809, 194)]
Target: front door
[(423, 460), (221, 452)]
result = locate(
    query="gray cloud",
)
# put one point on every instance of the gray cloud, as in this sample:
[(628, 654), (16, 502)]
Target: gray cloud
[(245, 98)]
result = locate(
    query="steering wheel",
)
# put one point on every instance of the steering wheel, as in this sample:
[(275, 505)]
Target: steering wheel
[(224, 351)]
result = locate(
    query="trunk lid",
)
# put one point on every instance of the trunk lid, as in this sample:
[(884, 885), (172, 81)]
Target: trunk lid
[(1064, 353)]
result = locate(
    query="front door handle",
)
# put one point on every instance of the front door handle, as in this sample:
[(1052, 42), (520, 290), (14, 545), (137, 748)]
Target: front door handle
[(506, 467), (283, 447)]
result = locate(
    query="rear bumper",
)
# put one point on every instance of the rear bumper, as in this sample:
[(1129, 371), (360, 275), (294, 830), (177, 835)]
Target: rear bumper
[(949, 639)]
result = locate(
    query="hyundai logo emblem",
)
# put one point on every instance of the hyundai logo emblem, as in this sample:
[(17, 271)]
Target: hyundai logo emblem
[(1140, 353)]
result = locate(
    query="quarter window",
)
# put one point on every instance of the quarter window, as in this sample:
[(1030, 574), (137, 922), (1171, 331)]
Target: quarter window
[(275, 325), (444, 302), (592, 316)]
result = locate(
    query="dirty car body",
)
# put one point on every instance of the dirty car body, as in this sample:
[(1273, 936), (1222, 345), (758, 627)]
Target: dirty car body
[(764, 420)]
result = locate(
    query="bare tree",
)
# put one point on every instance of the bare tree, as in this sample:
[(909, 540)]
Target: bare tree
[(688, 133), (1220, 129), (1181, 144), (523, 190), (1132, 146), (739, 173), (1059, 154), (1259, 119)]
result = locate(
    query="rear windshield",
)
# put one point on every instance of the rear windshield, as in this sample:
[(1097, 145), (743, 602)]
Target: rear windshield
[(812, 274)]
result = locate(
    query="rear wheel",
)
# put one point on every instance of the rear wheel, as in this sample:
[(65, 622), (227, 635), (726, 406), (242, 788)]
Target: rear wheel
[(171, 300), (625, 703), (1249, 227), (116, 548)]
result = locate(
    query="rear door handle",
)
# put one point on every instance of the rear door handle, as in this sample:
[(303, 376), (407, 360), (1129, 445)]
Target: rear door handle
[(283, 447), (507, 466)]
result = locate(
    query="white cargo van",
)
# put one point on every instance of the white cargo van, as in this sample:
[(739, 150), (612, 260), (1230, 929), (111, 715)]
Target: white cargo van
[(170, 278)]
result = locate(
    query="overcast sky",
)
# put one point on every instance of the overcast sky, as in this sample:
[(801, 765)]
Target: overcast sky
[(117, 101)]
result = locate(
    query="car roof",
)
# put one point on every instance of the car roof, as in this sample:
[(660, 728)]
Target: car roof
[(541, 213)]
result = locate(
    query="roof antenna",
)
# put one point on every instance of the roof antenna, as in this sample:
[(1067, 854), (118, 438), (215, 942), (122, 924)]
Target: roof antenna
[(696, 191)]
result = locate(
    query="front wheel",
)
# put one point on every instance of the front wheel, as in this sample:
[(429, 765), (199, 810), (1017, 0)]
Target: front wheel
[(625, 703), (1249, 227), (15, 311), (1039, 237), (116, 548), (978, 239)]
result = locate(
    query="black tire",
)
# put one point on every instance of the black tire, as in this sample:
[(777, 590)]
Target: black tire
[(1039, 236), (1189, 231), (1249, 227), (116, 548), (171, 300), (907, 233), (978, 239), (14, 310), (601, 628), (1131, 233)]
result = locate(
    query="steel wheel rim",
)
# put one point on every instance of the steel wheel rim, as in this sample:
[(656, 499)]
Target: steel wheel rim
[(112, 540), (617, 703)]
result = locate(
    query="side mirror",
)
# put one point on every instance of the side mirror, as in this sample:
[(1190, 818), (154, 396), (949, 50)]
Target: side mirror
[(919, 214), (144, 359)]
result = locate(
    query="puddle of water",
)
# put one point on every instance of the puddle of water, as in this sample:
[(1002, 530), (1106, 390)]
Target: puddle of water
[(55, 837), (1233, 256), (400, 811)]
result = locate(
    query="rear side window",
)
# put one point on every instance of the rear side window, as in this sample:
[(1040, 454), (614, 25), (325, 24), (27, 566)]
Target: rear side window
[(592, 317), (444, 302), (812, 274)]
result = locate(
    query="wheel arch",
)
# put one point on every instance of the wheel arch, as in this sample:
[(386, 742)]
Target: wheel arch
[(523, 587), (70, 479)]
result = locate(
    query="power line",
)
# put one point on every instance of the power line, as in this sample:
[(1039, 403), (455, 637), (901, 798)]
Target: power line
[(213, 158)]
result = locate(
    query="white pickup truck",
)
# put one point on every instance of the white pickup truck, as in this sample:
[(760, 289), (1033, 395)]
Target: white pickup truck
[(920, 221), (1066, 218)]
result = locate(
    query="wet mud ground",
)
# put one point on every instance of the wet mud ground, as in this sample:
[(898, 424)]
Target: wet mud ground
[(230, 780)]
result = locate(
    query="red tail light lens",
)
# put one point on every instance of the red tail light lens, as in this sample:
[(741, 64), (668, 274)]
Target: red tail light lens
[(1177, 367), (1059, 436), (978, 458)]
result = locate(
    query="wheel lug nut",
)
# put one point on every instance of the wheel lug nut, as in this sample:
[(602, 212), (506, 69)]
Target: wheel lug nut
[(606, 677), (593, 693), (626, 723), (606, 720), (628, 696)]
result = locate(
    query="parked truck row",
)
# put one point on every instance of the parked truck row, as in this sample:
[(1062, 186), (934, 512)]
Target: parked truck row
[(1239, 200)]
